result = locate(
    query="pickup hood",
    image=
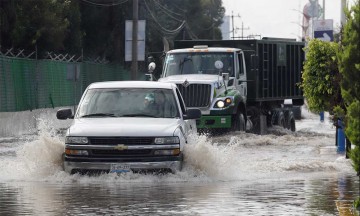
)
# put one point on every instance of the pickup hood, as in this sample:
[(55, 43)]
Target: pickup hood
[(192, 78), (123, 127)]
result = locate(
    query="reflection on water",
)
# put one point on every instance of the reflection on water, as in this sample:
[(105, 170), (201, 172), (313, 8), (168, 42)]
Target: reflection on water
[(301, 196)]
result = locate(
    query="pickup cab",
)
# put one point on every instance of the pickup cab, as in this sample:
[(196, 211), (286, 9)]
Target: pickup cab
[(123, 126)]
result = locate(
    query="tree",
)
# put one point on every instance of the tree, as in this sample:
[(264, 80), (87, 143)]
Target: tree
[(40, 23), (321, 77), (349, 65)]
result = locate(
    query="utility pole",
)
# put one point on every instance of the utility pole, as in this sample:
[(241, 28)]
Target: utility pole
[(242, 30), (232, 22), (134, 64)]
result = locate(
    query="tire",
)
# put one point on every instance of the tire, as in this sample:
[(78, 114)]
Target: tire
[(290, 120), (280, 120), (239, 123), (254, 114)]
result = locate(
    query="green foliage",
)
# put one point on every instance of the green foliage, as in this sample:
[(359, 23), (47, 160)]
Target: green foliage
[(41, 23), (349, 65), (321, 76), (357, 203), (74, 33), (353, 122), (97, 28)]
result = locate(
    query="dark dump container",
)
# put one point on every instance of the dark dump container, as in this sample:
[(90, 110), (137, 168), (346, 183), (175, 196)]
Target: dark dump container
[(273, 65)]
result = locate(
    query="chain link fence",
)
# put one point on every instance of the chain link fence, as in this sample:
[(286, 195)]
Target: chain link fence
[(27, 83)]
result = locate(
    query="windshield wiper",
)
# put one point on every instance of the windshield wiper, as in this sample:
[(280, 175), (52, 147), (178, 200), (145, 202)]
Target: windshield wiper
[(99, 114), (139, 115), (181, 65)]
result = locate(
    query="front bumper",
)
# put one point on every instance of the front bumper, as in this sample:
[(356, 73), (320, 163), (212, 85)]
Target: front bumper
[(209, 122), (174, 166), (78, 165)]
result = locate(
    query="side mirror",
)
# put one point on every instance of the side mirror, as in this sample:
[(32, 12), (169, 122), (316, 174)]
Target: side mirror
[(151, 67), (225, 76), (64, 114), (149, 77), (192, 114)]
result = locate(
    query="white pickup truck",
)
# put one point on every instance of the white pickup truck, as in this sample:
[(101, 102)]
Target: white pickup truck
[(124, 126)]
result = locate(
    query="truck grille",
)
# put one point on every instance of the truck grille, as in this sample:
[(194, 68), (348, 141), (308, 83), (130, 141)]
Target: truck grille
[(121, 140), (196, 95), (144, 152)]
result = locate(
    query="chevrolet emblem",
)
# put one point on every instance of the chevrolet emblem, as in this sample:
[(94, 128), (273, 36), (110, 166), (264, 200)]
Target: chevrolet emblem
[(121, 147)]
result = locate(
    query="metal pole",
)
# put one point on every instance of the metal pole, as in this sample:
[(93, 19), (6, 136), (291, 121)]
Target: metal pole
[(323, 9), (242, 30), (134, 64), (232, 21)]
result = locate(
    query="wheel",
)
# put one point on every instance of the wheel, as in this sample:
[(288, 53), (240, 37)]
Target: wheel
[(290, 120), (239, 122), (280, 121), (254, 114)]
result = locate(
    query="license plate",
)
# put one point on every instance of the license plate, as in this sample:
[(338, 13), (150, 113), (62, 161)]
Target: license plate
[(119, 168)]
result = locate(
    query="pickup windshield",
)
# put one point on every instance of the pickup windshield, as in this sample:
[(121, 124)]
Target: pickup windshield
[(197, 63), (125, 102)]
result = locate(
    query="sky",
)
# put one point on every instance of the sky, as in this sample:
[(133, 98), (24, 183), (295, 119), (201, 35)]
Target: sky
[(275, 18)]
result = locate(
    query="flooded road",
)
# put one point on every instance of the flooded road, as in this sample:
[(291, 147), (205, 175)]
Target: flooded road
[(282, 173)]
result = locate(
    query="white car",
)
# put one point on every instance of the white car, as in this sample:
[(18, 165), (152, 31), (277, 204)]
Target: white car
[(123, 126)]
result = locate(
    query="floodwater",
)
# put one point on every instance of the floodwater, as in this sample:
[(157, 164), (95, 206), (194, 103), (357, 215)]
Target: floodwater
[(282, 173)]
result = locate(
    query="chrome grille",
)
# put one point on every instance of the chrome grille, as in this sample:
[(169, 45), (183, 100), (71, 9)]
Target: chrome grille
[(102, 152), (196, 95), (121, 140)]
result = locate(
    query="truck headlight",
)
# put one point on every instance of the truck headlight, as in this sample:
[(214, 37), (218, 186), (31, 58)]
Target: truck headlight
[(223, 102), (76, 140), (220, 104), (228, 101), (166, 140)]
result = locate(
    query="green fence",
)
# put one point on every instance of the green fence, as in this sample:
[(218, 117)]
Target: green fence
[(27, 84)]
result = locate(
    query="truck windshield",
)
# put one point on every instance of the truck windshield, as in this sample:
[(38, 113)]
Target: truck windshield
[(197, 63), (125, 102)]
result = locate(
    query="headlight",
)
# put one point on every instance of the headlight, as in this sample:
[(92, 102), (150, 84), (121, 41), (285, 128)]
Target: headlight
[(224, 102), (228, 101), (167, 152), (220, 104), (166, 140), (76, 140), (76, 152)]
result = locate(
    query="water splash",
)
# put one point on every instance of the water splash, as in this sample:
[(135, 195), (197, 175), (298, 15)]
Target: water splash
[(233, 156)]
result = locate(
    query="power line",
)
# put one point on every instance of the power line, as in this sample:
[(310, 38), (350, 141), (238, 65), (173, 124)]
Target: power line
[(163, 29), (190, 32), (180, 9), (167, 11)]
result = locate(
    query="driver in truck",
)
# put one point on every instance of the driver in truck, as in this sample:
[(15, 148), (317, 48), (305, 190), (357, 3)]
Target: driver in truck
[(154, 104)]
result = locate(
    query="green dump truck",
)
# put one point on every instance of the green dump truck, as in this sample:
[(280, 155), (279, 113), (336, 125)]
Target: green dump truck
[(239, 85)]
